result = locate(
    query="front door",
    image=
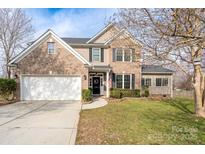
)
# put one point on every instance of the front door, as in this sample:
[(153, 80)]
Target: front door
[(96, 85)]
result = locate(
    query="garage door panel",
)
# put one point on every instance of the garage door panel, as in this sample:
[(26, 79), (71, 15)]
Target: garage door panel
[(51, 88)]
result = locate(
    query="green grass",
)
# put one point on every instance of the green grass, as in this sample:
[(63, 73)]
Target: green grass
[(142, 122)]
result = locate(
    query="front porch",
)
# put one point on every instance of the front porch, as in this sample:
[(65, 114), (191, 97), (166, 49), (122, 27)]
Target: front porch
[(99, 80)]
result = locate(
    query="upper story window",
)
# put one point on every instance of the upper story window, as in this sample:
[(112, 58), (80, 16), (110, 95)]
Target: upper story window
[(121, 54), (127, 54), (96, 54), (51, 47), (161, 81)]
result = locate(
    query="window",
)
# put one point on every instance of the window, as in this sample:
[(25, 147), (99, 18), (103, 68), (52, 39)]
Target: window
[(127, 55), (127, 81), (118, 81), (123, 54), (124, 81), (158, 81), (146, 82), (165, 82), (161, 81), (96, 54), (51, 47), (119, 54)]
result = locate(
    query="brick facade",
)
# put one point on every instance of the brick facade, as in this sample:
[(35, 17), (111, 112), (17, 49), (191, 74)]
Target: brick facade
[(62, 62)]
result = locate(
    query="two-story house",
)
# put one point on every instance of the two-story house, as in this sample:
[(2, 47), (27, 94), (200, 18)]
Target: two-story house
[(54, 68)]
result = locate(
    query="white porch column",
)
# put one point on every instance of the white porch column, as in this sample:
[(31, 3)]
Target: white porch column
[(107, 85)]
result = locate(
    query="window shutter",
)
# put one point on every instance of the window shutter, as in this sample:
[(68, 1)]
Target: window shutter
[(113, 80), (90, 54), (113, 54), (133, 55), (133, 81), (102, 54)]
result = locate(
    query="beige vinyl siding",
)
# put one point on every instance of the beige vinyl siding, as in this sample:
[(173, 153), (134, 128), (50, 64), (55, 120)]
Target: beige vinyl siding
[(159, 90)]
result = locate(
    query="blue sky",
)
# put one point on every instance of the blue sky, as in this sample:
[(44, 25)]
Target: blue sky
[(69, 22)]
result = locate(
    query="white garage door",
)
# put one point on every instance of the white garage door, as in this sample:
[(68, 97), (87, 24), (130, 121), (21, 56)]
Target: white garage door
[(50, 88)]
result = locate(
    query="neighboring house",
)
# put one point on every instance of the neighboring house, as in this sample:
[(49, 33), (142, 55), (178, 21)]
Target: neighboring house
[(54, 68)]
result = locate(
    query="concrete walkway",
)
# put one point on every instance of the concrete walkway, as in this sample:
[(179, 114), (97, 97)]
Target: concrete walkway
[(39, 122), (98, 102)]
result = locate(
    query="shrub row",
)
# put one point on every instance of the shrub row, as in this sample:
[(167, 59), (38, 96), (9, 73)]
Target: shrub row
[(7, 87), (87, 95), (120, 93)]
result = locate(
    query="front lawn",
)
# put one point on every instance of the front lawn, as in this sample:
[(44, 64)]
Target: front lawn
[(142, 122)]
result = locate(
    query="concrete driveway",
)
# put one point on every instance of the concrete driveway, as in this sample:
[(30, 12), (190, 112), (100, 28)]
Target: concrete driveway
[(39, 122)]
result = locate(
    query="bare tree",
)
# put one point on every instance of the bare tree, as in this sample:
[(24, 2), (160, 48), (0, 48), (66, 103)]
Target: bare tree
[(15, 31), (172, 37)]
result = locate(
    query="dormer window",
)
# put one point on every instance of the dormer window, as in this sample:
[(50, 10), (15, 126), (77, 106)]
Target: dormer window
[(51, 47)]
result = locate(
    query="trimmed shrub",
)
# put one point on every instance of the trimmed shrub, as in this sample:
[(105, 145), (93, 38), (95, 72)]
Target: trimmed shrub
[(115, 93), (145, 91), (137, 92), (87, 95), (119, 93), (7, 87)]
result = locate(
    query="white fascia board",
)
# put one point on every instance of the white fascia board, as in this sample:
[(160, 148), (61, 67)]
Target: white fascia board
[(43, 37), (100, 33)]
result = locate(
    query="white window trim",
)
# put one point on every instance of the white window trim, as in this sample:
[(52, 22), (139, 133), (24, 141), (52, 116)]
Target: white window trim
[(116, 80), (99, 54), (123, 57), (131, 55), (123, 82), (162, 78), (123, 54), (54, 51)]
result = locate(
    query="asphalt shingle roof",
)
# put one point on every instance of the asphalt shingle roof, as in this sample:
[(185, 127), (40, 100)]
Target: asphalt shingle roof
[(75, 40), (155, 69)]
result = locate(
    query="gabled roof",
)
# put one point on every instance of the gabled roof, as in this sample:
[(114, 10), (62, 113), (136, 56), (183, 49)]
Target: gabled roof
[(43, 37), (100, 33), (155, 69), (71, 40)]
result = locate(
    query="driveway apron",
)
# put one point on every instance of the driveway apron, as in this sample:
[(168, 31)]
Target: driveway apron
[(39, 122)]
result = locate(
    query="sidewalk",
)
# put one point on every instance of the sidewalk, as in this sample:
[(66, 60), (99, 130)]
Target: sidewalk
[(98, 102)]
